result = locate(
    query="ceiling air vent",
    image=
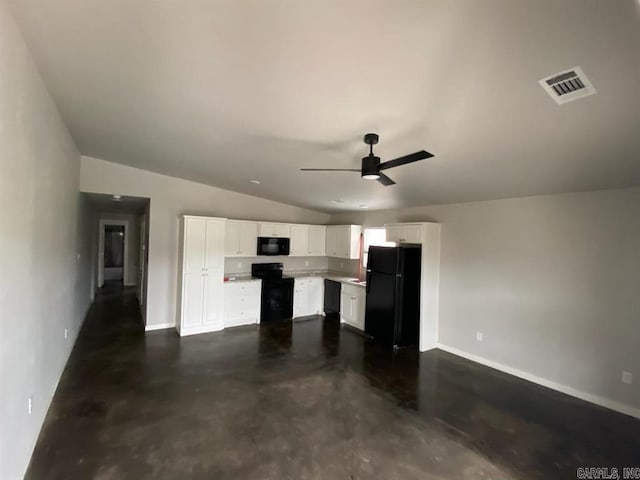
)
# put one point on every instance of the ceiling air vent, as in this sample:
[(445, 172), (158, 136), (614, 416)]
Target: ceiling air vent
[(567, 86)]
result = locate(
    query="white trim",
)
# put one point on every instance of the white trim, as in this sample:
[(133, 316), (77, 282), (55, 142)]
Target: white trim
[(588, 397), (159, 326), (201, 329)]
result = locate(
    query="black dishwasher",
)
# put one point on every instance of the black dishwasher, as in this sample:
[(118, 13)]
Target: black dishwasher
[(331, 297)]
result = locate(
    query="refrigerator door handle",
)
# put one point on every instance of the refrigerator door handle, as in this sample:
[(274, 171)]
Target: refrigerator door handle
[(368, 287)]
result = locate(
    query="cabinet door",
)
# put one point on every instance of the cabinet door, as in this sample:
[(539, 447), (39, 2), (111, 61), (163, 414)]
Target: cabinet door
[(266, 229), (331, 242), (343, 244), (248, 239), (194, 245), (353, 242), (252, 299), (317, 240), (282, 230), (300, 298), (232, 301), (315, 287), (358, 309), (346, 307), (299, 240), (395, 233), (213, 300), (192, 299), (413, 234), (214, 246), (232, 239)]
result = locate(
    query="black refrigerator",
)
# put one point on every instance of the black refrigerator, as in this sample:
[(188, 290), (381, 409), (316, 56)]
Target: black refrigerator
[(392, 313)]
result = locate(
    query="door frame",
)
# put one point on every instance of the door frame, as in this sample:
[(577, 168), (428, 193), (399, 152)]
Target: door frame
[(125, 264)]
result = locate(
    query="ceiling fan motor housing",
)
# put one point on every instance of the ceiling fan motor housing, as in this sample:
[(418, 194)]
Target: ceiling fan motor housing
[(371, 167)]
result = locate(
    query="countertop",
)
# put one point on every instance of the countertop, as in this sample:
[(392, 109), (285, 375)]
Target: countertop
[(229, 278), (327, 274)]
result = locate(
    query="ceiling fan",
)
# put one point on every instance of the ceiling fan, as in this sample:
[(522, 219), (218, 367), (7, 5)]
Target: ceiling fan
[(371, 166)]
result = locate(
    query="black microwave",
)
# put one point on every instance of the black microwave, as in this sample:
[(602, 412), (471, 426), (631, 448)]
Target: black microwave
[(273, 246)]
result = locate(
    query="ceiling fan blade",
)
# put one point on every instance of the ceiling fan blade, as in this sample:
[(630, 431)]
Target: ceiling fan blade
[(384, 180), (412, 157), (329, 169)]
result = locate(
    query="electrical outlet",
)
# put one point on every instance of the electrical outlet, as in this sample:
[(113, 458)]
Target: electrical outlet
[(479, 336), (341, 264), (66, 333), (627, 377), (239, 265), (30, 405), (306, 263)]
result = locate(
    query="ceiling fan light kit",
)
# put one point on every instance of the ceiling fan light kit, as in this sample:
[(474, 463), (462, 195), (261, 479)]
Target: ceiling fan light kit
[(371, 166)]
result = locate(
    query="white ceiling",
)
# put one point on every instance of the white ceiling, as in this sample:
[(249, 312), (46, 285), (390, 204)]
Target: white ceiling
[(226, 91)]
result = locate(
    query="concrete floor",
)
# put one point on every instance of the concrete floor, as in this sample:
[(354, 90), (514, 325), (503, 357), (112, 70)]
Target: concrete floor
[(307, 400)]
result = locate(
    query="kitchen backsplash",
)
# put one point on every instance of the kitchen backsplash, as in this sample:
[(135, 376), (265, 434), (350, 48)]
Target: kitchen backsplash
[(242, 265), (349, 267)]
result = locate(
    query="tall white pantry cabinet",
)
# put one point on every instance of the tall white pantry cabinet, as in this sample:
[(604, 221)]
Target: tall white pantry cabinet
[(201, 275)]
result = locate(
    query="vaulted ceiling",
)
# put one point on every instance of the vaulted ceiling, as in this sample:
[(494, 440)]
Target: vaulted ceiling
[(223, 92)]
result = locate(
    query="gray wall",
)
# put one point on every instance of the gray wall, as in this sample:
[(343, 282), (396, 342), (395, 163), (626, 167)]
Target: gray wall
[(553, 282), (44, 244)]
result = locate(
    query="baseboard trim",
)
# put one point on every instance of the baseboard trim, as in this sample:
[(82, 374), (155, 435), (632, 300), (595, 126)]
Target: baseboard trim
[(159, 326), (588, 397)]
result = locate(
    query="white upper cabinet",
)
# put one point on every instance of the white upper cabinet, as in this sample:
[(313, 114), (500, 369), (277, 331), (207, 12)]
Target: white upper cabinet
[(317, 240), (269, 229), (214, 245), (241, 238), (343, 241), (299, 241), (405, 232), (308, 241), (202, 272)]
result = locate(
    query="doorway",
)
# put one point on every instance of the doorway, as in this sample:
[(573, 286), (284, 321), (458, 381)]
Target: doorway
[(114, 254)]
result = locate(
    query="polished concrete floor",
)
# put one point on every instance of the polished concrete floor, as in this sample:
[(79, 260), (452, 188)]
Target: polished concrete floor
[(305, 400)]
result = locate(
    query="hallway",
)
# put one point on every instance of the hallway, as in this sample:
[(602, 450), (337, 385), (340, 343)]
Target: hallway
[(304, 400)]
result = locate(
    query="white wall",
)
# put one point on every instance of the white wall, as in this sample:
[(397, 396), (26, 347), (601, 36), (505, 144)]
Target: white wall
[(44, 287), (553, 282), (170, 198)]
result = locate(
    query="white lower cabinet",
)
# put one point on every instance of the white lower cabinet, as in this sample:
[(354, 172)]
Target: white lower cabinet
[(241, 303), (307, 296), (352, 305)]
